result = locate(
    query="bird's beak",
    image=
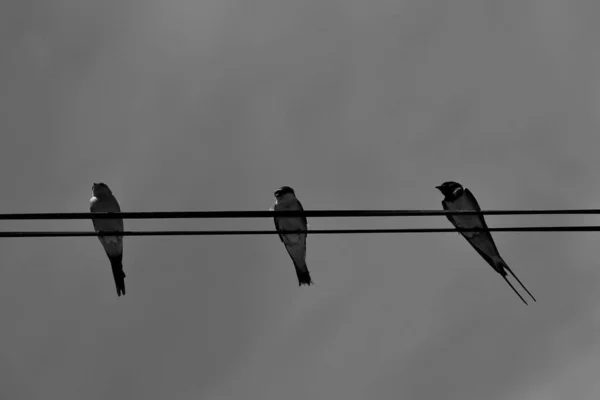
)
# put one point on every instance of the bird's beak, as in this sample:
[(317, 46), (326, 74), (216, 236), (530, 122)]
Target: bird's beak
[(438, 187)]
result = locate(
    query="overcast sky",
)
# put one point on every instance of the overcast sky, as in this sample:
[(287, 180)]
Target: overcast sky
[(211, 105)]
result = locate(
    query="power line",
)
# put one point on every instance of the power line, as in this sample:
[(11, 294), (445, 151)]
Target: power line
[(31, 234), (271, 214)]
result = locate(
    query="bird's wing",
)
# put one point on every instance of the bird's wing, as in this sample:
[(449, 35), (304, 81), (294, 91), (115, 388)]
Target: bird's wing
[(486, 235), (476, 240)]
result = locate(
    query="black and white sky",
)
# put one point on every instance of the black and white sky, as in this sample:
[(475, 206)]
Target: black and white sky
[(211, 105)]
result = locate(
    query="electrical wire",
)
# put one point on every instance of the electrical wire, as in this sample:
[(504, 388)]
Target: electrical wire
[(271, 214), (32, 234)]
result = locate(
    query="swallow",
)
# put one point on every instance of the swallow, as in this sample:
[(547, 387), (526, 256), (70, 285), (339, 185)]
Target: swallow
[(458, 198), (104, 201), (295, 243)]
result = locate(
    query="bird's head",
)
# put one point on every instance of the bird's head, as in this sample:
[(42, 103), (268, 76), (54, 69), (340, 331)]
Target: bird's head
[(450, 189), (100, 189), (282, 191)]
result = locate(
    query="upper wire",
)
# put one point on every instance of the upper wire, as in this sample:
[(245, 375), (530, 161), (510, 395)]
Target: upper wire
[(580, 228), (271, 214)]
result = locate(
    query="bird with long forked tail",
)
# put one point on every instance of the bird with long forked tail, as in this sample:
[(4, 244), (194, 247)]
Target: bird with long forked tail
[(457, 198)]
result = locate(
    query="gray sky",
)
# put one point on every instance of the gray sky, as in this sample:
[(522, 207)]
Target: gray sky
[(211, 105)]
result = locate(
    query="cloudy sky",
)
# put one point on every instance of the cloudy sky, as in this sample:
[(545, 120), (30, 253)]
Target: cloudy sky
[(211, 105)]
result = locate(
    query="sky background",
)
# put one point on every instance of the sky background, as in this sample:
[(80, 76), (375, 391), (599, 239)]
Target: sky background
[(211, 105)]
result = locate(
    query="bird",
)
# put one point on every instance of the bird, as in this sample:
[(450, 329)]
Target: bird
[(103, 200), (295, 243), (456, 197)]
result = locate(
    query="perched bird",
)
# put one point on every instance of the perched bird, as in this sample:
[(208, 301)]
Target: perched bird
[(104, 201), (295, 243), (458, 198)]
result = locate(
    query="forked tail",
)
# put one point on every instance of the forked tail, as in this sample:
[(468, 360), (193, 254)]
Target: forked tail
[(513, 288), (520, 283), (504, 267)]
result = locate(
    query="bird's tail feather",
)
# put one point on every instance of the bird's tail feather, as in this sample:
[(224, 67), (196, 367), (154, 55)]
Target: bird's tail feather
[(503, 267), (513, 288), (303, 274), (116, 262), (520, 283)]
